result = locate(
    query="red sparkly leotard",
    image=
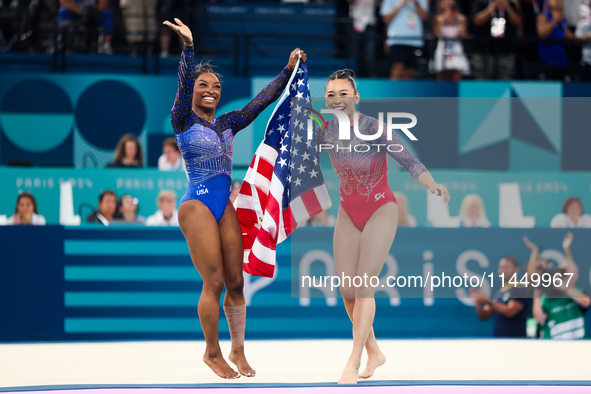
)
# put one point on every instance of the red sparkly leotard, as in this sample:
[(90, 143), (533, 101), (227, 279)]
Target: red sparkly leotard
[(363, 172)]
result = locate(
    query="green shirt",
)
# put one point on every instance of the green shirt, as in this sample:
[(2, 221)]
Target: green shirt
[(565, 319)]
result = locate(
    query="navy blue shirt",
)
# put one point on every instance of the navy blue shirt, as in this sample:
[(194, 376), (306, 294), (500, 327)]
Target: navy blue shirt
[(512, 327)]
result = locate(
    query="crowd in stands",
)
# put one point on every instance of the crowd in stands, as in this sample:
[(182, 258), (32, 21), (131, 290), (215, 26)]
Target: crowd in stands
[(451, 39)]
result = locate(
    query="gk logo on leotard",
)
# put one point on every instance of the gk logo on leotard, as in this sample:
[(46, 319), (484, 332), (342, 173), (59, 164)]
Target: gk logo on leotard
[(379, 195)]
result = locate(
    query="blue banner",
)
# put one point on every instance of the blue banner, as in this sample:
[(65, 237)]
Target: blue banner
[(101, 284)]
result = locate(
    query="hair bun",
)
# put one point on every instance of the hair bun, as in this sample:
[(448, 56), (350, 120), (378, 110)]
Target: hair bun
[(348, 72), (206, 67)]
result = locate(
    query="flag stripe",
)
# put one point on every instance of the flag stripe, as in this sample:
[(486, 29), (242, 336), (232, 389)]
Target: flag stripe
[(269, 206)]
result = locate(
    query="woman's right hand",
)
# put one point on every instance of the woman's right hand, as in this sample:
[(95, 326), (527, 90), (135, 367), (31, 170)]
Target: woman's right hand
[(182, 30)]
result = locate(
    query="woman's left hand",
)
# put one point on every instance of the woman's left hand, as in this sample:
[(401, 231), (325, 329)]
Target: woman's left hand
[(293, 58), (440, 190)]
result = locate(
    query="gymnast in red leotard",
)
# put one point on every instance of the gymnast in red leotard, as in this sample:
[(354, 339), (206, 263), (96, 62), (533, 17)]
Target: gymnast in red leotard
[(368, 217)]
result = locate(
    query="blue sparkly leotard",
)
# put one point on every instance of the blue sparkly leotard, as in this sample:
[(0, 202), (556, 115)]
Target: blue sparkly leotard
[(207, 147)]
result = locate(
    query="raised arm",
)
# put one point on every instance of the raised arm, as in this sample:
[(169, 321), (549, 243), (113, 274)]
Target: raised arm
[(415, 168), (183, 103), (241, 118)]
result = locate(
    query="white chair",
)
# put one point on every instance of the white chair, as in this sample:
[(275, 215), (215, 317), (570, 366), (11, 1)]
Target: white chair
[(510, 208)]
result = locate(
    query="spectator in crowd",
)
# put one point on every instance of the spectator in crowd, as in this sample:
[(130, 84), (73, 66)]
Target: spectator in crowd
[(405, 219), (496, 23), (128, 153), (450, 61), (559, 308), (171, 158), (472, 212), (323, 219), (527, 59), (552, 32), (510, 305), (73, 10), (235, 190), (583, 33), (25, 211), (404, 21), (166, 215), (128, 207), (139, 17), (106, 210), (572, 215), (168, 10), (363, 13), (572, 12)]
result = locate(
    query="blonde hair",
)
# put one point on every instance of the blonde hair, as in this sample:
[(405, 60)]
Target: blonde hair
[(166, 193), (467, 202)]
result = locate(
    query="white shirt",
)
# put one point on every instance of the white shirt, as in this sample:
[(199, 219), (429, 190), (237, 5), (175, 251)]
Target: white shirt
[(36, 220), (164, 165), (362, 13), (562, 220), (158, 219)]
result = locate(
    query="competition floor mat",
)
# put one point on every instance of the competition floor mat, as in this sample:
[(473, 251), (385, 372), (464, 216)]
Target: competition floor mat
[(298, 366)]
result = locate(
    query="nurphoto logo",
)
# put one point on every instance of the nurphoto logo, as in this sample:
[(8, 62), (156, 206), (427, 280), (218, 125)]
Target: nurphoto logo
[(345, 130)]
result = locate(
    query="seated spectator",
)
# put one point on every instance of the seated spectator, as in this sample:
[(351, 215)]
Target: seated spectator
[(497, 23), (472, 212), (127, 208), (450, 61), (171, 158), (128, 153), (509, 307), (235, 190), (323, 219), (552, 32), (559, 309), (166, 215), (405, 219), (106, 210), (139, 17), (583, 33), (73, 10), (572, 215), (25, 211)]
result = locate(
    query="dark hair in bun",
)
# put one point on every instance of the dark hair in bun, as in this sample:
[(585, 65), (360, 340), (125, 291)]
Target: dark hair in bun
[(206, 67), (344, 74)]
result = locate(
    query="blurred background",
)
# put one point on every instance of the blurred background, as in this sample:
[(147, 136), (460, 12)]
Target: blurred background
[(86, 87)]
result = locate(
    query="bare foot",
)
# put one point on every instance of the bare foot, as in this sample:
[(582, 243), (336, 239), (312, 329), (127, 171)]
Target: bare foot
[(219, 366), (237, 357), (350, 373), (373, 361)]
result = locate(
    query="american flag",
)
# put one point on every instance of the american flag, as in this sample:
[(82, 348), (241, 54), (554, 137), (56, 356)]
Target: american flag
[(283, 187)]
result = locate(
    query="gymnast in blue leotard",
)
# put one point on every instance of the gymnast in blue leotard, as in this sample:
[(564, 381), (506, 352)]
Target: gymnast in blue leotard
[(207, 220)]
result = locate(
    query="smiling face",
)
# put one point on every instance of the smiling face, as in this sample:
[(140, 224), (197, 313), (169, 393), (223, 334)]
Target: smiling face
[(207, 92), (340, 94)]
